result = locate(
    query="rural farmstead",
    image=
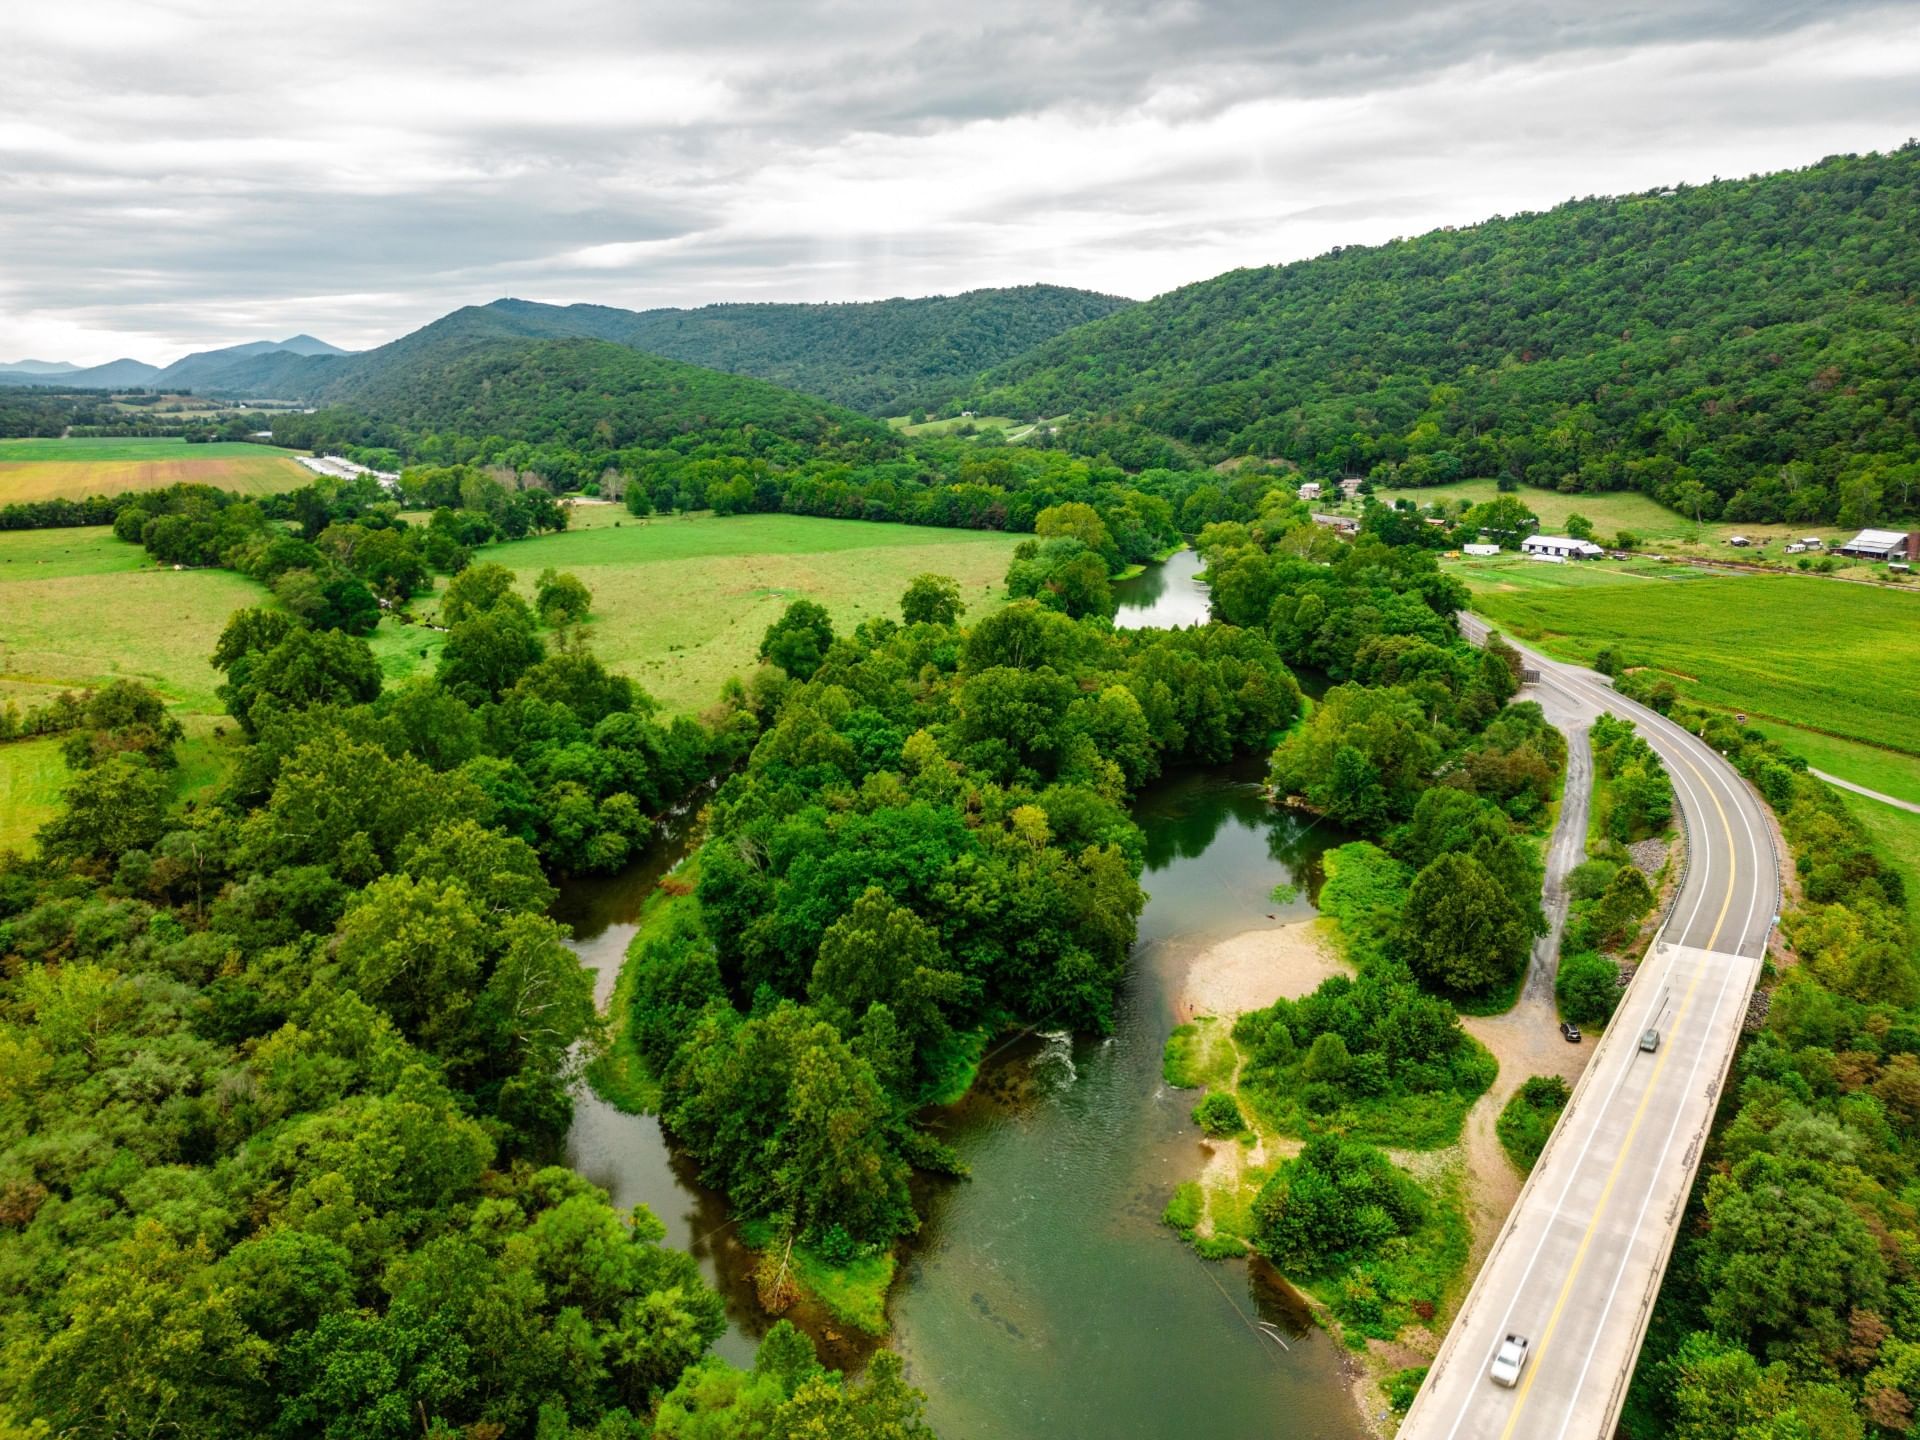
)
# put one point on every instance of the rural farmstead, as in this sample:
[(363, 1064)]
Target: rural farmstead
[(1559, 547)]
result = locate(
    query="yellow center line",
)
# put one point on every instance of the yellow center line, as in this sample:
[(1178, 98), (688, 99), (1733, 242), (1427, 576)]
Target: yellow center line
[(1640, 1111)]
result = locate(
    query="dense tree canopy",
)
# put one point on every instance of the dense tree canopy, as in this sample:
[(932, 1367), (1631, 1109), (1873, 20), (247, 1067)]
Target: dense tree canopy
[(927, 843)]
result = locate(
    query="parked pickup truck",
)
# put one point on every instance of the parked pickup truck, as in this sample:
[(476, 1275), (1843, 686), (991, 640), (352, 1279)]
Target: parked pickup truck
[(1509, 1360)]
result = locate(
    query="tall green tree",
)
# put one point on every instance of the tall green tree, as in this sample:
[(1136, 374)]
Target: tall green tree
[(1461, 930)]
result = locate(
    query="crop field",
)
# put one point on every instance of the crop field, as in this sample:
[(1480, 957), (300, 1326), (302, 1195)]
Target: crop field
[(76, 469), (1820, 654), (680, 603)]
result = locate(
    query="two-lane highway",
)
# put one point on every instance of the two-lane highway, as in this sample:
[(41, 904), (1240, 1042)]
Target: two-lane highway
[(1578, 1263)]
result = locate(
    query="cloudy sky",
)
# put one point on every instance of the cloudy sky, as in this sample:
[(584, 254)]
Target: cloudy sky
[(179, 174)]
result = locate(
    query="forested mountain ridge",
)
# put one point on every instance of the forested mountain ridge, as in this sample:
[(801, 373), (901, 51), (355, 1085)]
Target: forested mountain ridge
[(1758, 338), (601, 395), (883, 357)]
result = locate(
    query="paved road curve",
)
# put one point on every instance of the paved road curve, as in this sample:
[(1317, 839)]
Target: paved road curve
[(1579, 1261)]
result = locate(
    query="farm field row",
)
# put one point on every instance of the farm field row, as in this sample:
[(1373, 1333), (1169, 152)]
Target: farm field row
[(42, 469), (1815, 653)]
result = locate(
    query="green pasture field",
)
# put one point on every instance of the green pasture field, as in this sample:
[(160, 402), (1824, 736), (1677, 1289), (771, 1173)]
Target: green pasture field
[(31, 776), (905, 426), (83, 608), (43, 469), (1891, 772), (1509, 572), (1610, 513), (405, 650), (1818, 654), (680, 602)]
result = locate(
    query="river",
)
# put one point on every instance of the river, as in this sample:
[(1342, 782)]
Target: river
[(1043, 1298), (1164, 596)]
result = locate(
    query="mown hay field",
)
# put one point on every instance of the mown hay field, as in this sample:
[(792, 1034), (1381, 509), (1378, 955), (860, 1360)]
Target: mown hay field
[(680, 603), (1823, 654), (82, 608), (76, 469)]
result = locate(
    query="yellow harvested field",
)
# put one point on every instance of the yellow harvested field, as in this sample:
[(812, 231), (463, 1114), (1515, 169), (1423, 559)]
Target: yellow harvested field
[(25, 480)]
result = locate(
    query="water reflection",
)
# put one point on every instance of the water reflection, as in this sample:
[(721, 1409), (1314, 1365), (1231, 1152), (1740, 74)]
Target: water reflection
[(1164, 597)]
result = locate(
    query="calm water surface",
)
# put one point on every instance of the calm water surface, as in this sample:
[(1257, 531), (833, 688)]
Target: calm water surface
[(1043, 1300), (1164, 597)]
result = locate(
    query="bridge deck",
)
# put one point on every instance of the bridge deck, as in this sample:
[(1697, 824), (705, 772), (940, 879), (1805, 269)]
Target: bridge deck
[(1579, 1261)]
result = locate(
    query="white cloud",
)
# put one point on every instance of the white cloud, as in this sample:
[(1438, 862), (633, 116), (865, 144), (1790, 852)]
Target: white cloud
[(176, 174)]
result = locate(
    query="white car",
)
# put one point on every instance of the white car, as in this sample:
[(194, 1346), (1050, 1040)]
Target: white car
[(1509, 1360)]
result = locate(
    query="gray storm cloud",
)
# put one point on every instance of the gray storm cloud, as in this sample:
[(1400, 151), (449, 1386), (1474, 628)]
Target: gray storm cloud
[(182, 173)]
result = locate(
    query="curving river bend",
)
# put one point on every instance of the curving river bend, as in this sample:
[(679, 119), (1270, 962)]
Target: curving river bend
[(1043, 1300)]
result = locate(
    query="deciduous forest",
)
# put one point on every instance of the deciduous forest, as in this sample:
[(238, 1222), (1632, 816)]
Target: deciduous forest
[(1740, 349)]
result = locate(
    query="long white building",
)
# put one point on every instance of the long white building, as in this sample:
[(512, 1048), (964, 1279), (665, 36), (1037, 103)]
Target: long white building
[(1560, 547)]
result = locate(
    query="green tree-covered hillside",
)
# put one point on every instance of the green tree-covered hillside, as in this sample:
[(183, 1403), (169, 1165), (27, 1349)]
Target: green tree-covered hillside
[(883, 357), (597, 391), (1757, 339)]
